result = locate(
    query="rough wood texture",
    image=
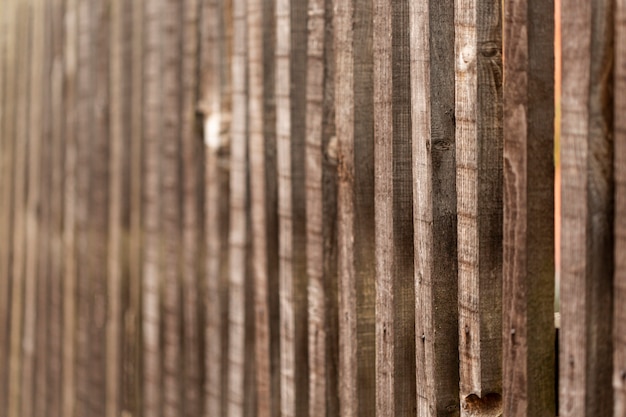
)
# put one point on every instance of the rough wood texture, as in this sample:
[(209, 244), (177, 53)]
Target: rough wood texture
[(238, 234), (152, 128), (434, 194), (619, 317), (291, 16), (528, 257), (321, 208), (395, 291), (587, 214), (478, 115), (352, 24)]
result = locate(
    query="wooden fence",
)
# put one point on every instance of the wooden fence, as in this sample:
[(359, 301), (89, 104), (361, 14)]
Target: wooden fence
[(310, 208)]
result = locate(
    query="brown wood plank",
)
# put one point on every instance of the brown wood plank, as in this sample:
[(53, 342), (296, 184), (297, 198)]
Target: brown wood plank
[(170, 231), (434, 194), (528, 257), (70, 130), (238, 233), (354, 108), (151, 218), (9, 72), (478, 117), (16, 358), (262, 126), (290, 124), (619, 315), (321, 197), (191, 225), (587, 214), (395, 291)]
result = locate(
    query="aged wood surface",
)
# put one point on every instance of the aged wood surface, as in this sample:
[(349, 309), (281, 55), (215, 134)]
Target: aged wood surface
[(395, 291), (321, 200), (352, 23), (151, 271), (434, 194), (619, 315), (291, 47), (587, 215), (528, 260), (478, 115)]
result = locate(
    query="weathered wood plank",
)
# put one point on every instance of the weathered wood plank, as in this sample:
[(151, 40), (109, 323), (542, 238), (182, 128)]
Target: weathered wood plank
[(151, 219), (395, 290), (238, 361), (191, 224), (478, 115), (354, 103), (21, 137), (262, 127), (587, 214), (619, 317), (170, 231), (70, 130), (434, 195), (9, 72), (321, 197), (290, 122), (528, 257)]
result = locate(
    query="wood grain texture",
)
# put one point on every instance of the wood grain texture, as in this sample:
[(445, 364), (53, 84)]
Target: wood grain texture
[(263, 201), (151, 272), (587, 213), (321, 208), (478, 114), (434, 195), (395, 291), (352, 24), (291, 47), (17, 347), (238, 232), (191, 147), (528, 260), (619, 297)]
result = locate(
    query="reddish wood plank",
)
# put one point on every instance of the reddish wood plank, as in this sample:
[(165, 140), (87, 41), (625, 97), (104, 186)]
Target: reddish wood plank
[(587, 211), (619, 315), (478, 114), (528, 287), (434, 194)]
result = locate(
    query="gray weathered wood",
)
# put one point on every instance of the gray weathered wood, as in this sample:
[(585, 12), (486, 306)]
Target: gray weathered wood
[(587, 214), (528, 257), (352, 25), (478, 115), (619, 317), (434, 194), (321, 208)]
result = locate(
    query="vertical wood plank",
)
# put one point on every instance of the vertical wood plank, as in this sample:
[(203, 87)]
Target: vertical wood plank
[(238, 233), (619, 315), (262, 126), (436, 285), (353, 103), (151, 219), (321, 208), (9, 72), (16, 362), (587, 213), (479, 201), (170, 231), (290, 120), (191, 225), (528, 257), (70, 129), (395, 291)]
